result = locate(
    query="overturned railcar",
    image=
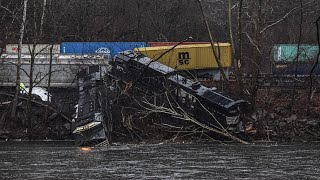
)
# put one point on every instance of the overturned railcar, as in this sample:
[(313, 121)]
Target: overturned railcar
[(207, 105), (155, 81), (89, 125)]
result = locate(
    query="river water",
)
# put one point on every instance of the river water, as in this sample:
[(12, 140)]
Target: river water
[(61, 160)]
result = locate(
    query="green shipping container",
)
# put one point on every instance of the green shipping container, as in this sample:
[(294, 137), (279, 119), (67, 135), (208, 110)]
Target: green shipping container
[(287, 53)]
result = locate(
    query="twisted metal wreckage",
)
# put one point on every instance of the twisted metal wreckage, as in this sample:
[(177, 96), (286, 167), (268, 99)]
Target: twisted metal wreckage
[(154, 88)]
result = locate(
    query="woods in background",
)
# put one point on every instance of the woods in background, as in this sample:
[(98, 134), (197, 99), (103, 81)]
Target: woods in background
[(263, 23)]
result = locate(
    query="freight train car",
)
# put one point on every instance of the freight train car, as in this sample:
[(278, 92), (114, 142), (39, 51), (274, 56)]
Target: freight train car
[(63, 71), (27, 48), (111, 48), (155, 77), (190, 57), (197, 59), (285, 60)]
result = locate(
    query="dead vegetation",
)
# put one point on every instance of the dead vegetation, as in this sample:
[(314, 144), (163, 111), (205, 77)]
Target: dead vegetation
[(280, 120)]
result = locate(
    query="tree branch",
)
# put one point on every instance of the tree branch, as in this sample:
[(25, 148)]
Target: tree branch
[(283, 17)]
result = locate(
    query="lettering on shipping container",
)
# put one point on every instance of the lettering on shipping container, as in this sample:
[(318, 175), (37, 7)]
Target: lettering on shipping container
[(183, 58)]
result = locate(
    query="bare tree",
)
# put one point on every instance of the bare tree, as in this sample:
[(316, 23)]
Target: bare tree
[(296, 62), (23, 22), (216, 54), (238, 58), (317, 60)]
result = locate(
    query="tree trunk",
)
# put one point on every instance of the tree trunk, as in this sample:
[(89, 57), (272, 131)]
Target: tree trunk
[(15, 101), (238, 59), (297, 58), (230, 25), (42, 16), (258, 56), (317, 62), (212, 44), (49, 84), (29, 110)]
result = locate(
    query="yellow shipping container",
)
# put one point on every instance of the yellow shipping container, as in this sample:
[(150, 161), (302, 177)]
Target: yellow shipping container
[(189, 57)]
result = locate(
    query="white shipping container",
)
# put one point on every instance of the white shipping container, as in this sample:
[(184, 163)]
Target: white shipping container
[(27, 48)]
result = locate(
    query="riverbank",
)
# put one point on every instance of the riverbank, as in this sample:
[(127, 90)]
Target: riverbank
[(280, 118), (276, 119)]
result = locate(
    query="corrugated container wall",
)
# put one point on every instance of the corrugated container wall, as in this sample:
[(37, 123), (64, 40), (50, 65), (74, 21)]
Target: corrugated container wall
[(287, 53), (187, 57), (154, 44), (93, 47), (27, 48)]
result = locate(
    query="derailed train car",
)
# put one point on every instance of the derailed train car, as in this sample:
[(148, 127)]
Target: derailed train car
[(212, 107), (89, 123), (137, 72)]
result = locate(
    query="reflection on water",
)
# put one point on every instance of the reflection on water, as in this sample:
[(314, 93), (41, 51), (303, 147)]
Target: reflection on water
[(39, 160)]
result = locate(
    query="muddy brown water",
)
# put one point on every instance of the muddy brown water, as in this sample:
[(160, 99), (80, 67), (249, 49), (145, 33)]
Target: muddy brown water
[(61, 160)]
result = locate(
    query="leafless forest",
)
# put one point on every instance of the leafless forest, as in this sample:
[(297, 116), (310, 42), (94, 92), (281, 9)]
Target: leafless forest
[(261, 23)]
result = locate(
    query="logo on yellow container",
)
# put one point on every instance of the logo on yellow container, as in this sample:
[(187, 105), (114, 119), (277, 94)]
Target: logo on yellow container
[(183, 58)]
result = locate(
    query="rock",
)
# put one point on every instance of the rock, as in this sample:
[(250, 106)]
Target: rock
[(312, 122), (272, 115), (262, 113), (303, 120), (254, 116), (259, 114), (5, 137), (284, 112), (67, 126), (292, 118), (282, 124), (273, 133), (4, 132), (271, 128), (277, 109)]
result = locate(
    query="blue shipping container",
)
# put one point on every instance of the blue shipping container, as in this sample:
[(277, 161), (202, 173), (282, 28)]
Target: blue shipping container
[(98, 47)]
